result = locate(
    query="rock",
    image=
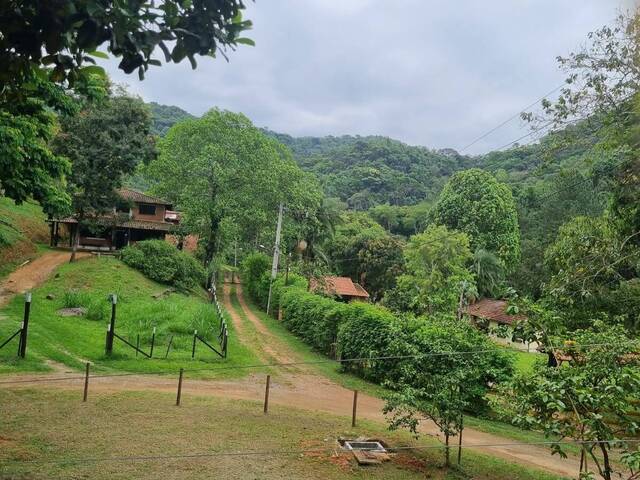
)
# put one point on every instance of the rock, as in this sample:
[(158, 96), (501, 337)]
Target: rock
[(72, 312), (50, 296)]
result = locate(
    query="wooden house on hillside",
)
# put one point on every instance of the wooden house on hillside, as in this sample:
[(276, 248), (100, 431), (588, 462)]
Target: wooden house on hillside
[(139, 217), (490, 315), (342, 287)]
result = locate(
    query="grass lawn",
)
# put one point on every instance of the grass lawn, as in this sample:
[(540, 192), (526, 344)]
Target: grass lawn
[(47, 427), (74, 340)]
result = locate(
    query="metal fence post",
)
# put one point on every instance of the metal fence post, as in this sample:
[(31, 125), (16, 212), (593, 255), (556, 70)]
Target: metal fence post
[(193, 348), (112, 325), (22, 347), (153, 342)]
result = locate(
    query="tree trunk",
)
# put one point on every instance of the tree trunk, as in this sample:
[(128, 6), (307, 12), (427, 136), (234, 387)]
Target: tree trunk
[(75, 243), (606, 473), (446, 450)]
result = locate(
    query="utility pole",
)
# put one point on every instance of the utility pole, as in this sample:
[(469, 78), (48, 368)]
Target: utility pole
[(235, 261), (276, 255)]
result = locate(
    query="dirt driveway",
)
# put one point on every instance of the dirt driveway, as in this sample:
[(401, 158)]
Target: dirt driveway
[(33, 273)]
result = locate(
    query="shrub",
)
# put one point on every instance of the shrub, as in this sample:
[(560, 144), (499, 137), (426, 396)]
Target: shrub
[(75, 298), (162, 262), (371, 331), (98, 309), (255, 274)]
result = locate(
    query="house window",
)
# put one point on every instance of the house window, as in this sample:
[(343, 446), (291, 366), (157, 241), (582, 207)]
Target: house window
[(146, 209)]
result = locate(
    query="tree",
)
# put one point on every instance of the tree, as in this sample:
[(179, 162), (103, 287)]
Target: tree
[(474, 202), (104, 141), (590, 400), (442, 387), (65, 34), (381, 261), (437, 272), (489, 273), (591, 263), (48, 49), (221, 171), (28, 167)]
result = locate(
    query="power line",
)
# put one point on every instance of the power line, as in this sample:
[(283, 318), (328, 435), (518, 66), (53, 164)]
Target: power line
[(510, 118), (328, 451)]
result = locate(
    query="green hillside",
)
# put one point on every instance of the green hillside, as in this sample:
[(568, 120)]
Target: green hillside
[(22, 228)]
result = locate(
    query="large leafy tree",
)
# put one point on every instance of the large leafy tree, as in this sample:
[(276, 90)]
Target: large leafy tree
[(441, 387), (219, 170), (593, 268), (107, 139), (475, 203), (438, 275), (592, 399), (47, 48)]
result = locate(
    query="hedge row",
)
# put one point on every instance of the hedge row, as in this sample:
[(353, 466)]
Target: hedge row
[(361, 331)]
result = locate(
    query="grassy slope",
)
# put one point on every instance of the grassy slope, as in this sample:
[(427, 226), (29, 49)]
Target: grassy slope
[(22, 229), (75, 340), (56, 425)]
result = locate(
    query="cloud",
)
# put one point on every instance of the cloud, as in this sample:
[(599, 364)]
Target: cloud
[(436, 73)]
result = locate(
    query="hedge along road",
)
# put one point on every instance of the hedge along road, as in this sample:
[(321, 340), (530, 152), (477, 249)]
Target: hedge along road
[(300, 386), (33, 273)]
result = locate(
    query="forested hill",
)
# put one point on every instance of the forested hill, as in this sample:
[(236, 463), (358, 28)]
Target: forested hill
[(365, 171), (373, 170), (165, 116)]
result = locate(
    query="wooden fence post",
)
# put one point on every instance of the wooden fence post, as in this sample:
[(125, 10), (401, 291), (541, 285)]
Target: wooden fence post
[(86, 383), (355, 408), (179, 387), (266, 395)]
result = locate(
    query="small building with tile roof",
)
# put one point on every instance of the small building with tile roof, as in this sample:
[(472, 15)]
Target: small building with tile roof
[(138, 217), (342, 287), (491, 316)]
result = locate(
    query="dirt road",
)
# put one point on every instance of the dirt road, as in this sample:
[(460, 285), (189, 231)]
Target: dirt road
[(33, 273)]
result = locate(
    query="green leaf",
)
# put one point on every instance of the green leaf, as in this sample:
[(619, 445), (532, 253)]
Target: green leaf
[(98, 54), (246, 41), (93, 70)]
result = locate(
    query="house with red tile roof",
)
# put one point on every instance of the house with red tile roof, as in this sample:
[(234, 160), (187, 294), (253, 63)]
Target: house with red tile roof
[(342, 287), (138, 217), (491, 316)]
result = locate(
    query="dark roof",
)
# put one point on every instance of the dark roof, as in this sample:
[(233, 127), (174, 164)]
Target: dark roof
[(495, 310), (135, 224), (342, 286), (135, 196)]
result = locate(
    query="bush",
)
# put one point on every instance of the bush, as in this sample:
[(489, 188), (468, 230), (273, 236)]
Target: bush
[(75, 299), (364, 331), (98, 310), (255, 275), (162, 262)]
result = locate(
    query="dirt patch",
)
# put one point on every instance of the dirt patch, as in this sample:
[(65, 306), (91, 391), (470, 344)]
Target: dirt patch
[(33, 274)]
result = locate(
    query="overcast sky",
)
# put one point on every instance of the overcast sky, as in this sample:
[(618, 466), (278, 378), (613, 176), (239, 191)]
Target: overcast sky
[(438, 73)]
